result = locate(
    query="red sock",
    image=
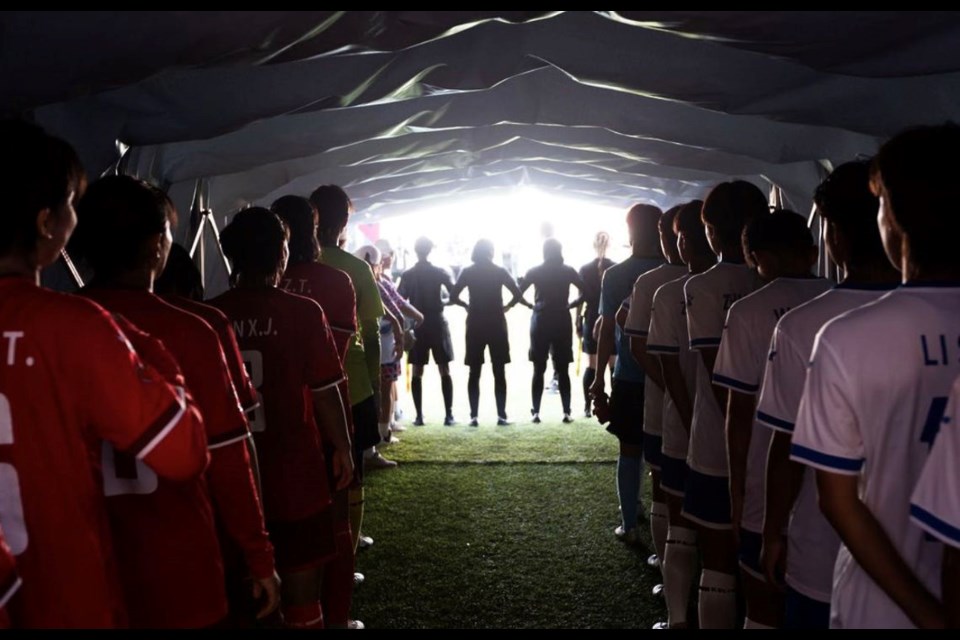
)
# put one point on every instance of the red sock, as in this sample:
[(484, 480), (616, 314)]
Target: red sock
[(337, 592), (303, 616)]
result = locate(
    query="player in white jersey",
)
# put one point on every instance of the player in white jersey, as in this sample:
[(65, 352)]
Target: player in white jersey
[(636, 326), (873, 396), (709, 295), (781, 247), (849, 213), (668, 339), (935, 505)]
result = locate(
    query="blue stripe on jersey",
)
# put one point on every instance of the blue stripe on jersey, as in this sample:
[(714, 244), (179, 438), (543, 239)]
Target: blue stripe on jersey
[(774, 422), (826, 460), (736, 385), (640, 333), (662, 348), (943, 530), (705, 342)]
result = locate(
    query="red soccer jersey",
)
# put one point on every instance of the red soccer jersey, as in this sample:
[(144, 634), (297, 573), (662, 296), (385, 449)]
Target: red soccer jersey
[(180, 584), (228, 341), (9, 580), (333, 291), (68, 380), (288, 345)]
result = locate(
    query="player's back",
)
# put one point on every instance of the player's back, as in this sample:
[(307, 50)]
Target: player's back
[(288, 346), (893, 400), (332, 289)]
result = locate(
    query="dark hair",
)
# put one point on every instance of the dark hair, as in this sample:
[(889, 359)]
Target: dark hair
[(116, 216), (644, 217), (482, 251), (730, 206), (253, 241), (689, 221), (552, 251), (40, 173), (782, 231), (918, 169), (300, 217), (333, 207), (180, 277), (665, 223), (423, 246), (845, 200)]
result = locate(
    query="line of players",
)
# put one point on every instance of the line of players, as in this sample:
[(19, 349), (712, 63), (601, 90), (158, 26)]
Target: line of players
[(129, 491), (787, 421)]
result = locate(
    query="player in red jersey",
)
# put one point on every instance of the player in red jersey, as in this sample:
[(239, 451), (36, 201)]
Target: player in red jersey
[(181, 285), (68, 381), (332, 290), (297, 370), (124, 233)]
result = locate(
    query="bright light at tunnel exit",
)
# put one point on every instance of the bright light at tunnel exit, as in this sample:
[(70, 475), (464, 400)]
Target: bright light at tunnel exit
[(515, 222)]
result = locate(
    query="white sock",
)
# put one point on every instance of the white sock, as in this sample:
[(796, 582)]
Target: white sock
[(369, 453), (753, 624), (658, 528), (718, 600), (384, 428), (678, 567)]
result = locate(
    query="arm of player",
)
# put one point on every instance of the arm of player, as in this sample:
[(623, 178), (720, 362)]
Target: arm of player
[(675, 385), (784, 479), (873, 550), (397, 328), (649, 363), (511, 286), (739, 427), (411, 312), (578, 302), (328, 408)]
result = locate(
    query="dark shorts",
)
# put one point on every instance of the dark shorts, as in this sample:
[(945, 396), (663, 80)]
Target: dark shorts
[(551, 334), (673, 475), (651, 452), (304, 544), (366, 429), (707, 500), (489, 332), (431, 336), (751, 543), (626, 412), (805, 613), (589, 344)]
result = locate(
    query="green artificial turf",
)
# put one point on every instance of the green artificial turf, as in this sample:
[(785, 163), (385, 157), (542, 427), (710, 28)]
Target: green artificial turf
[(502, 527)]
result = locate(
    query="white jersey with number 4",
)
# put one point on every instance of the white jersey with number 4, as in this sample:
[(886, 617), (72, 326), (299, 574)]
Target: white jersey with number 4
[(872, 405), (812, 543), (709, 297), (935, 505), (740, 363), (638, 325)]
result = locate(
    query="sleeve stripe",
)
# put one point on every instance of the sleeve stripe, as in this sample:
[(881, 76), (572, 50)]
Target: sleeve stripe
[(774, 422), (705, 342), (328, 385), (662, 348), (735, 384), (935, 526), (9, 588), (640, 333), (226, 439), (160, 427), (253, 407), (825, 461), (349, 330)]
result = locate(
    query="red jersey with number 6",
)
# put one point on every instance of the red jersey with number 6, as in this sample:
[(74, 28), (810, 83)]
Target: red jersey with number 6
[(69, 380)]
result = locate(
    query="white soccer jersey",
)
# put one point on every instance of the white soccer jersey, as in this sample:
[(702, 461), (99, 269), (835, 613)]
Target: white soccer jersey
[(812, 544), (668, 335), (935, 505), (709, 296), (871, 406), (638, 324), (740, 362)]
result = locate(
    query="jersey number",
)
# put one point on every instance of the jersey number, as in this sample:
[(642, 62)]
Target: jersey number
[(253, 361), (938, 408), (11, 505)]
